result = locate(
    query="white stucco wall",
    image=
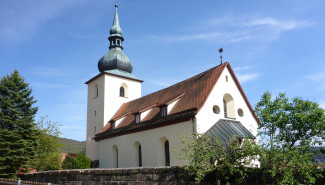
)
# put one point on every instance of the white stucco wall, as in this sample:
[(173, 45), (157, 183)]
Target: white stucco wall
[(94, 103), (152, 146), (106, 104), (112, 100), (206, 118)]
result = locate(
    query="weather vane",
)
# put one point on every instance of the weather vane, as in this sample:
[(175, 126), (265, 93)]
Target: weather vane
[(220, 51)]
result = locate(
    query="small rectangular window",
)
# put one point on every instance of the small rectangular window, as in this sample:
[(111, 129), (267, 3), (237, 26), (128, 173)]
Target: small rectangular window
[(137, 118), (112, 125), (164, 111)]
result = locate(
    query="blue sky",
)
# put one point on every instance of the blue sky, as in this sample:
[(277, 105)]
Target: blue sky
[(272, 45)]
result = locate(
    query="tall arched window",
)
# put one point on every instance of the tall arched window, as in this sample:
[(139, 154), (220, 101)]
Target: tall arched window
[(140, 156), (228, 106), (167, 155), (115, 156), (225, 108), (122, 92)]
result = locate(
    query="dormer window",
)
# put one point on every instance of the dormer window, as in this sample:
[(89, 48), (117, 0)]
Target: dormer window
[(112, 125), (137, 118), (163, 111)]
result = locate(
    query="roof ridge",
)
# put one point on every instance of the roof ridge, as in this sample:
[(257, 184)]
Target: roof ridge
[(179, 82)]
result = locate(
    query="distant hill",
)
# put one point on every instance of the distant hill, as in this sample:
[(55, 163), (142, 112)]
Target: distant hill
[(73, 147)]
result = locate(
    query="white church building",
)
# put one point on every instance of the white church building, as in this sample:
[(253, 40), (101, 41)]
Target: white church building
[(127, 130)]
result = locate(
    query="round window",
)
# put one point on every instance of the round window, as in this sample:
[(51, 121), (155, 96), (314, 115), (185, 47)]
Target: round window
[(216, 109), (240, 112)]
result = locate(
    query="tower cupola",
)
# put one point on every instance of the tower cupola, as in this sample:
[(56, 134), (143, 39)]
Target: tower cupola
[(115, 60)]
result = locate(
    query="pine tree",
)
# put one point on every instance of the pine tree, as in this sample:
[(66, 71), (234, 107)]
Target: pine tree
[(18, 134)]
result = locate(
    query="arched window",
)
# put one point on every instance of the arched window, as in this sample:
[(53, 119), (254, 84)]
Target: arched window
[(140, 156), (229, 106), (115, 156), (167, 155), (225, 108), (122, 91)]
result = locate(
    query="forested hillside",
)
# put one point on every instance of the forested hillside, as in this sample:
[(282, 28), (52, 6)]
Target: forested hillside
[(73, 146)]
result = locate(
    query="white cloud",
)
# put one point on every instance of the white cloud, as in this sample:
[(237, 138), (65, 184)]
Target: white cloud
[(242, 68), (50, 72), (279, 25), (318, 77), (20, 20), (43, 85), (247, 77), (234, 29), (322, 104)]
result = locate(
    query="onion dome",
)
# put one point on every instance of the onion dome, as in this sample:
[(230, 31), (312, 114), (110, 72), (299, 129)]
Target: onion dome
[(115, 59)]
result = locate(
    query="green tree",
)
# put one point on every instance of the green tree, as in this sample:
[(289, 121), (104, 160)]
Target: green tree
[(49, 154), (18, 135), (288, 130), (206, 154)]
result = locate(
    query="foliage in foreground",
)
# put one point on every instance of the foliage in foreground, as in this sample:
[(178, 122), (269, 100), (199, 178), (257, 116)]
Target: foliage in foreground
[(49, 154), (288, 130), (210, 154), (81, 161), (18, 134)]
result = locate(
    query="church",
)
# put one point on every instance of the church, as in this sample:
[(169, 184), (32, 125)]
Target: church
[(127, 130)]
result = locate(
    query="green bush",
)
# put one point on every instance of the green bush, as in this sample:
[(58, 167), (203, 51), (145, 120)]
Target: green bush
[(81, 161), (70, 163)]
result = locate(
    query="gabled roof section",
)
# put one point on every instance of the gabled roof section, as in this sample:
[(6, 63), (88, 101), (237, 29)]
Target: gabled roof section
[(192, 94)]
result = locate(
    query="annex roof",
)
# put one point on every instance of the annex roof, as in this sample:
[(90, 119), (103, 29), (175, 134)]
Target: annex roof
[(226, 129), (190, 93)]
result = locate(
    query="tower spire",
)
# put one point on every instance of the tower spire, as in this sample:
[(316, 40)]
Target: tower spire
[(116, 29), (115, 59)]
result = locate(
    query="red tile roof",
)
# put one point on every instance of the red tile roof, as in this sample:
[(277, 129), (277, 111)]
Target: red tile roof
[(192, 94)]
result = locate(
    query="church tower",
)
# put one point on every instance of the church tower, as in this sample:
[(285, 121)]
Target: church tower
[(111, 88)]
